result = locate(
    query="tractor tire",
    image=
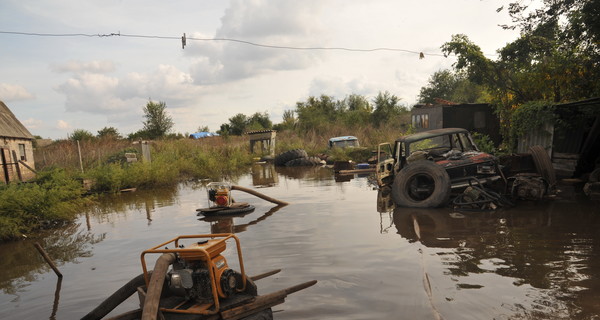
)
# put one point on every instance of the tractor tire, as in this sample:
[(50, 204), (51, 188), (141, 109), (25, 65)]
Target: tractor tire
[(421, 184), (543, 164), (305, 162), (283, 158)]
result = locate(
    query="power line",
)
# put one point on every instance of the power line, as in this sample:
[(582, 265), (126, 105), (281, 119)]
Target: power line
[(268, 46)]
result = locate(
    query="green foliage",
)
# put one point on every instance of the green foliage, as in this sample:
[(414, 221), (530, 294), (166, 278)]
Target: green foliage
[(54, 197), (387, 109), (202, 129), (81, 135), (530, 116), (240, 124), (451, 86), (484, 142), (158, 123), (555, 59), (109, 133)]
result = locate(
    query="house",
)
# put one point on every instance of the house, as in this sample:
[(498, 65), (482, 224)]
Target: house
[(16, 148), (475, 117), (572, 140)]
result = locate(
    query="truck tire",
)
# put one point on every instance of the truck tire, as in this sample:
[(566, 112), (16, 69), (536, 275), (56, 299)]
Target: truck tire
[(421, 184), (304, 162), (543, 164), (283, 158)]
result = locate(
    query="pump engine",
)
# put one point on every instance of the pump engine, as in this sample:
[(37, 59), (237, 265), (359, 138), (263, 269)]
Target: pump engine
[(192, 273)]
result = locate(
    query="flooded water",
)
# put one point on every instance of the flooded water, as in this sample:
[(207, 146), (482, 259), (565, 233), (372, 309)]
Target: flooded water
[(535, 261)]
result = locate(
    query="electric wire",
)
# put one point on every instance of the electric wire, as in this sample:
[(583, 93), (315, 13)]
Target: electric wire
[(268, 46)]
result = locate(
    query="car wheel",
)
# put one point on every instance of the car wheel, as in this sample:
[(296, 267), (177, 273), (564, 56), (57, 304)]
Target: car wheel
[(543, 164), (421, 184)]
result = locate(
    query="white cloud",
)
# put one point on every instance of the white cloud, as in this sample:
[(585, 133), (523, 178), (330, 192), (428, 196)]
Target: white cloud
[(61, 124), (267, 22), (81, 67), (12, 92)]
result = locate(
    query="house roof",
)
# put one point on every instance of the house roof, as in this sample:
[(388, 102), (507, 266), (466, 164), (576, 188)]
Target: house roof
[(10, 126)]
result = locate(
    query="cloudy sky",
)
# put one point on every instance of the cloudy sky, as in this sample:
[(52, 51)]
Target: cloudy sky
[(56, 84)]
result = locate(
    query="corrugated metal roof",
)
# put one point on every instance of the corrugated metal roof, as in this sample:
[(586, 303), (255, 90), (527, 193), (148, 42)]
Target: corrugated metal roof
[(10, 126)]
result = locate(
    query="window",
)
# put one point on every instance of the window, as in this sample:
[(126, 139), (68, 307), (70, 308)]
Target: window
[(22, 152), (420, 121)]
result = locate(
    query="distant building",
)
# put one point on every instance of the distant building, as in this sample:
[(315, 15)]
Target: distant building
[(475, 117), (16, 148)]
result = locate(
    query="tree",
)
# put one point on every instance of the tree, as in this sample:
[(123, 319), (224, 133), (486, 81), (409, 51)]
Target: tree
[(158, 122), (259, 121), (387, 108), (450, 86), (203, 129), (554, 60), (109, 133), (81, 135), (237, 124)]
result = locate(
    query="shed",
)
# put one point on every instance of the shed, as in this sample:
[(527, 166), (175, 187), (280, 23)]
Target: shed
[(575, 146), (475, 117), (266, 138), (16, 148)]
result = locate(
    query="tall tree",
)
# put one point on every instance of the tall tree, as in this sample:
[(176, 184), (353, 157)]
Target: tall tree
[(387, 108), (451, 86), (158, 123)]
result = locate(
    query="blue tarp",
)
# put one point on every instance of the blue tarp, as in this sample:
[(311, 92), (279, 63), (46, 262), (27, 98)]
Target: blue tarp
[(199, 135)]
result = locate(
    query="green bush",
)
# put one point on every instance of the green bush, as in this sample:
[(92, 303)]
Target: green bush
[(52, 198)]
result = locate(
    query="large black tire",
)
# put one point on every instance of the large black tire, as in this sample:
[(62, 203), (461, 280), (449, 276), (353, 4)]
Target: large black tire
[(421, 184), (543, 164), (283, 158), (304, 162)]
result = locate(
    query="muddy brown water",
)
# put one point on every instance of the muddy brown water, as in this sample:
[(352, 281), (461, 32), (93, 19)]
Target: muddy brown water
[(534, 261)]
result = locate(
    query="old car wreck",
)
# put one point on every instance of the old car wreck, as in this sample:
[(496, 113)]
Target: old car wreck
[(428, 169)]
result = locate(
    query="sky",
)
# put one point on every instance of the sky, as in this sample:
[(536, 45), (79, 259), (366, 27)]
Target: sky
[(57, 84)]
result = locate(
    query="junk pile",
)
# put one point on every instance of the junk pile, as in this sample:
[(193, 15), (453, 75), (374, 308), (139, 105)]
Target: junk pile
[(297, 158)]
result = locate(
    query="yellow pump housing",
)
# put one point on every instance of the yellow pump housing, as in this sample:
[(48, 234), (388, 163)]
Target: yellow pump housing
[(205, 253)]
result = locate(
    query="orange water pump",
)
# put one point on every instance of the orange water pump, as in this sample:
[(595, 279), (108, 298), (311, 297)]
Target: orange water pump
[(200, 273)]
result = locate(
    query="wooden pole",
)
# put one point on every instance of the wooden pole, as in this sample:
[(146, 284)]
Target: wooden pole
[(14, 154), (80, 160), (48, 260)]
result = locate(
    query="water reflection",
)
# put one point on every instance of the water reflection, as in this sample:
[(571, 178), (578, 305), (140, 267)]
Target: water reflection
[(225, 224), (22, 264), (551, 246), (317, 173), (264, 175), (112, 205)]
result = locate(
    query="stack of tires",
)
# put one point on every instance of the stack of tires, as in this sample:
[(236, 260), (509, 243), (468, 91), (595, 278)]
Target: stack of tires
[(296, 158)]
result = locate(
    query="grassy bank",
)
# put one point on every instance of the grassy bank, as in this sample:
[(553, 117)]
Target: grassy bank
[(56, 195)]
